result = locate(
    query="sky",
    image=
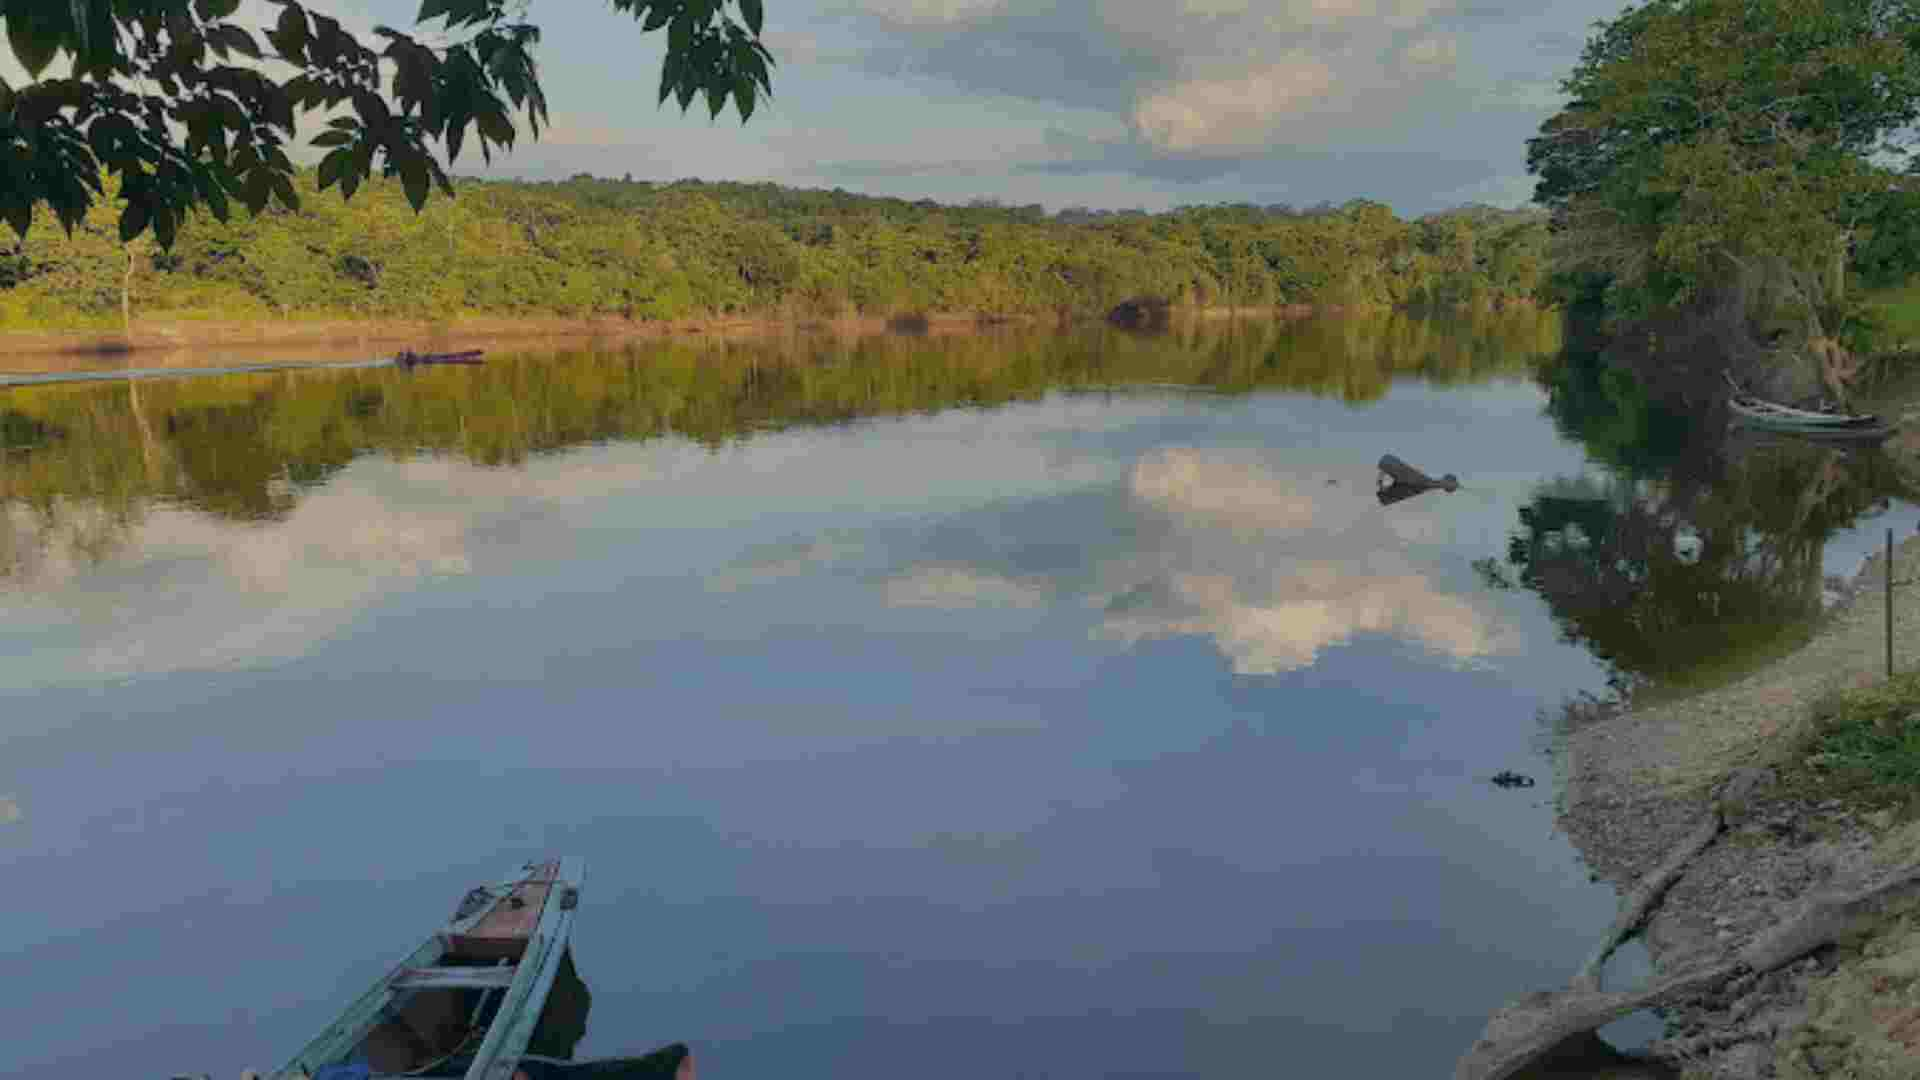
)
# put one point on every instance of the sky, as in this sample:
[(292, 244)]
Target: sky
[(1420, 104)]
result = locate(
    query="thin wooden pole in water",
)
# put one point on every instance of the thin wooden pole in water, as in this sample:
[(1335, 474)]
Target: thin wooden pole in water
[(1889, 603)]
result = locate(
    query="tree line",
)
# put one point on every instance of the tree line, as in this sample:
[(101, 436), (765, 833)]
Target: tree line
[(691, 249)]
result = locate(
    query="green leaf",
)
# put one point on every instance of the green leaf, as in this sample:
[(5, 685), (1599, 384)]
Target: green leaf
[(209, 10), (669, 72), (330, 138), (291, 35), (332, 167), (257, 190), (414, 180), (743, 97), (283, 187), (32, 42), (133, 221), (716, 99), (19, 214), (237, 39), (165, 223), (78, 9), (215, 195), (751, 10)]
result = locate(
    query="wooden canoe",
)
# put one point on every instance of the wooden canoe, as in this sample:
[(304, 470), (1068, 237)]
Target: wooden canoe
[(407, 358), (465, 1002), (1759, 412)]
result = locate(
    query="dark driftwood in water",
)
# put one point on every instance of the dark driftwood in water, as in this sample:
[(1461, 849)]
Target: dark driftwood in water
[(1634, 909), (1529, 1029), (1402, 474), (407, 358)]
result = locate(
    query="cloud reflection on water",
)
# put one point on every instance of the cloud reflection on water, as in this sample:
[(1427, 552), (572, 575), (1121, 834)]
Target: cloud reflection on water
[(1273, 565)]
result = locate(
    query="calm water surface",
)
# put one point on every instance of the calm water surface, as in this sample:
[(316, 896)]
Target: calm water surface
[(1021, 705)]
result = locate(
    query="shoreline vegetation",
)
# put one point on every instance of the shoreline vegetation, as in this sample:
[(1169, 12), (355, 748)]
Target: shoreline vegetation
[(213, 339), (623, 258)]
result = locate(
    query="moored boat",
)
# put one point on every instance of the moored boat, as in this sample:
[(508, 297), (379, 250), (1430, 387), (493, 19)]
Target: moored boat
[(407, 358), (1762, 413), (465, 1002)]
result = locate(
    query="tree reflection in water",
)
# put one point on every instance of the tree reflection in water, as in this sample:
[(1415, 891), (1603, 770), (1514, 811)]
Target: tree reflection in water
[(1692, 556)]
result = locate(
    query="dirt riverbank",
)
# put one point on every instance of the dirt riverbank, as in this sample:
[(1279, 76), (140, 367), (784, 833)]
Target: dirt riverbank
[(198, 342), (1636, 781)]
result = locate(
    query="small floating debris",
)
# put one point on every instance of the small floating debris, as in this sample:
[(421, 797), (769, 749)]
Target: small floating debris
[(1507, 778), (409, 359), (10, 812)]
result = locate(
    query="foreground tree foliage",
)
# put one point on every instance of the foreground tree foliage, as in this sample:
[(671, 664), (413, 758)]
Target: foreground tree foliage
[(1738, 151), (646, 251), (185, 107)]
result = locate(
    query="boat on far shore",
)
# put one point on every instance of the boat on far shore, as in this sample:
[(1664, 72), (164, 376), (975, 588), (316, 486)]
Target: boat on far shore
[(407, 358)]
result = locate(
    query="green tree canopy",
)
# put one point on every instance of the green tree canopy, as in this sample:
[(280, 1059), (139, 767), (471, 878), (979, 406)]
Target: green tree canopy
[(189, 109), (1705, 136)]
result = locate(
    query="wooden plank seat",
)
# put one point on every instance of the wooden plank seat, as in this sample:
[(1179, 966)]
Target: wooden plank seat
[(454, 978)]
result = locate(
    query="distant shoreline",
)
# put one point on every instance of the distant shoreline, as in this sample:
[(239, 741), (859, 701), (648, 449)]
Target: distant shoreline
[(217, 341)]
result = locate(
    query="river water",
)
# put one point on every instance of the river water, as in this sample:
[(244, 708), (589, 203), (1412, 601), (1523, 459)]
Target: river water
[(1020, 704)]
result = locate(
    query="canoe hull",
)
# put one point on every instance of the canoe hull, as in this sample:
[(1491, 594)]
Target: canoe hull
[(466, 1001)]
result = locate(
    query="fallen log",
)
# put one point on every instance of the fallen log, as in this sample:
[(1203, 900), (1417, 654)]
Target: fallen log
[(1523, 1033), (1529, 1029)]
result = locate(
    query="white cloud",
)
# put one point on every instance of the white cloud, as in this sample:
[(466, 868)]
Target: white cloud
[(960, 587), (1431, 52), (933, 11), (1241, 113)]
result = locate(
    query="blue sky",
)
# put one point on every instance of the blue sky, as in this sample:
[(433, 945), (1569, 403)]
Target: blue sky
[(1105, 103)]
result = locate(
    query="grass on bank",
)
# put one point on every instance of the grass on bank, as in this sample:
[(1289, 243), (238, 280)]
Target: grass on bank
[(1864, 747), (1896, 314)]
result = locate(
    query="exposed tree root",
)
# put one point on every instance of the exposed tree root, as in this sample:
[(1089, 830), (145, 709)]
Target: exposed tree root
[(1694, 1046), (1636, 906), (1523, 1033), (1527, 1030)]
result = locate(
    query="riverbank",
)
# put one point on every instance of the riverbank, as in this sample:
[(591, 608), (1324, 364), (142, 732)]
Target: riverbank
[(1635, 784), (218, 342)]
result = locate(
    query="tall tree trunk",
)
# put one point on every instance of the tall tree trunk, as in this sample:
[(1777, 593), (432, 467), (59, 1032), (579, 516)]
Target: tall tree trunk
[(1837, 273), (126, 297)]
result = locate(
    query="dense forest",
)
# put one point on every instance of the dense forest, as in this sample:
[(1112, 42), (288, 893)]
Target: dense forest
[(1731, 179), (692, 249)]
